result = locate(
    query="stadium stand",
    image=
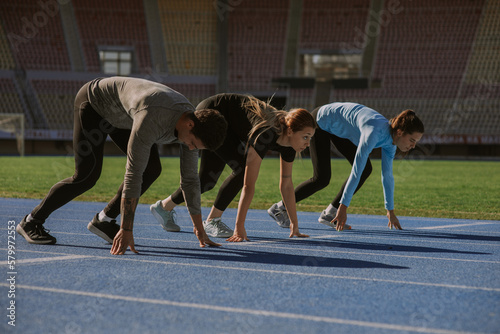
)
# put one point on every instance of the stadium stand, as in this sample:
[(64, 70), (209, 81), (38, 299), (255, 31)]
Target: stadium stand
[(56, 98), (422, 56), (6, 59), (35, 35), (257, 32), (112, 23), (195, 92), (9, 95), (483, 68), (481, 86), (189, 30), (438, 57), (331, 25), (302, 98)]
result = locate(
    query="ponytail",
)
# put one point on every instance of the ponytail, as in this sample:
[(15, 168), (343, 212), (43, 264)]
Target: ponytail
[(267, 117), (264, 116)]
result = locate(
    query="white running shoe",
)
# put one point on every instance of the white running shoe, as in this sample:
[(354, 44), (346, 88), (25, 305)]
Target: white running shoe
[(216, 228), (326, 219), (280, 215), (164, 217)]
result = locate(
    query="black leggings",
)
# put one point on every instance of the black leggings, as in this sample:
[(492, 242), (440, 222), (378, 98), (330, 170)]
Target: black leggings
[(89, 136), (231, 153), (321, 161)]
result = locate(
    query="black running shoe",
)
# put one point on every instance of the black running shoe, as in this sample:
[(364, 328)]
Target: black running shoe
[(106, 230), (34, 232)]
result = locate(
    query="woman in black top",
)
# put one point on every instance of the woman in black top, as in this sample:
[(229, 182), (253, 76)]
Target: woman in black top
[(254, 128)]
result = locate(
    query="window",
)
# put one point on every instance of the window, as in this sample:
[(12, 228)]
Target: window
[(336, 66), (116, 62)]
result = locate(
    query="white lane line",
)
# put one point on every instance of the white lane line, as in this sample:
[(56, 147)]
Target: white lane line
[(292, 273), (326, 236), (248, 311), (436, 239), (53, 258), (272, 244), (453, 226)]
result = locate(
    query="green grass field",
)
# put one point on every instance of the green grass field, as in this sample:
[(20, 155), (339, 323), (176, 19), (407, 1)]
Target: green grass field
[(450, 189)]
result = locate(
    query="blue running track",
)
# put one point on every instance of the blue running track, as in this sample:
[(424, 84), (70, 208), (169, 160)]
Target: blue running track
[(435, 276)]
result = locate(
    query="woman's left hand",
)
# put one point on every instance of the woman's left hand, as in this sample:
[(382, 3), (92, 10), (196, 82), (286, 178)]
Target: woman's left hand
[(239, 235), (393, 220), (340, 218), (204, 239), (294, 231)]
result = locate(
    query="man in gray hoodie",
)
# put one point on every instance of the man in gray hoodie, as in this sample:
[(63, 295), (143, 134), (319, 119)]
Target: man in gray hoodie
[(137, 115)]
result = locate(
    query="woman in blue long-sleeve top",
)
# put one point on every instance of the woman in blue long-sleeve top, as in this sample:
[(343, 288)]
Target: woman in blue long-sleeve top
[(355, 130)]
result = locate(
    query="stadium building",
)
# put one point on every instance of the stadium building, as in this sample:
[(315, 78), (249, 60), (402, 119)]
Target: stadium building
[(438, 57)]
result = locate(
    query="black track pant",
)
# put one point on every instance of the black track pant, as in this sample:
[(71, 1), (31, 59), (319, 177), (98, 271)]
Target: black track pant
[(321, 161), (89, 135), (231, 153)]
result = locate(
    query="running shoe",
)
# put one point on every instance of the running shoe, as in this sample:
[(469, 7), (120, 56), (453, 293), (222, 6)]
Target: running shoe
[(326, 219), (34, 232), (280, 215), (216, 228), (104, 229), (165, 218)]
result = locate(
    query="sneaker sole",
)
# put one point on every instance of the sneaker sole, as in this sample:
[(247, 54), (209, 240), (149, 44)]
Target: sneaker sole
[(98, 232), (20, 230), (220, 236), (225, 235), (327, 223), (160, 220), (213, 235)]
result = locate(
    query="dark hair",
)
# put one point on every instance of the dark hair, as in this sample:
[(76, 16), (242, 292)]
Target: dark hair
[(210, 127), (407, 121)]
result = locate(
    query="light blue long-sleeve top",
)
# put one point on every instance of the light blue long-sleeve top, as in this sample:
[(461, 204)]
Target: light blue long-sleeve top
[(367, 129)]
